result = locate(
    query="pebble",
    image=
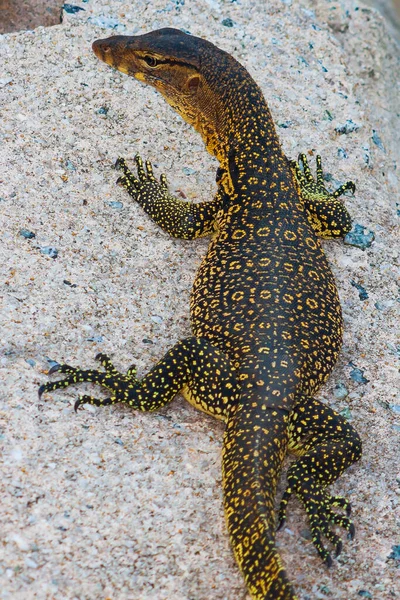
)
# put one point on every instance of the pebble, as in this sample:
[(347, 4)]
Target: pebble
[(189, 171), (5, 81), (106, 22), (69, 165), (72, 8), (31, 563), (21, 542), (346, 413), (357, 375), (29, 235), (385, 305), (348, 127), (303, 61), (360, 237), (362, 292), (52, 363), (285, 124), (115, 204), (50, 251), (366, 155), (157, 319), (340, 391), (394, 349), (377, 140), (395, 553)]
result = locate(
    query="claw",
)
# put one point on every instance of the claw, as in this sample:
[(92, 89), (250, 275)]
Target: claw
[(54, 369), (352, 532), (89, 400), (119, 163), (163, 181), (77, 404), (132, 371), (283, 506), (328, 561), (349, 185), (101, 356), (149, 169), (139, 166), (281, 524)]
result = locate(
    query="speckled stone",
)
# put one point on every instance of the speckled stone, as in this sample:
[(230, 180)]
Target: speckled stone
[(114, 504)]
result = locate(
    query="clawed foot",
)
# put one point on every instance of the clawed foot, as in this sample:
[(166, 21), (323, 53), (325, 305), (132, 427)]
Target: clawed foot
[(121, 386), (326, 214), (318, 505), (315, 187), (145, 185)]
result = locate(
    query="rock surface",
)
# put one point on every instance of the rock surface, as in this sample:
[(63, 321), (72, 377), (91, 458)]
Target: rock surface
[(28, 14), (114, 504)]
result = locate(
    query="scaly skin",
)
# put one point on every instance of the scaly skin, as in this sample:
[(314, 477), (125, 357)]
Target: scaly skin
[(266, 318)]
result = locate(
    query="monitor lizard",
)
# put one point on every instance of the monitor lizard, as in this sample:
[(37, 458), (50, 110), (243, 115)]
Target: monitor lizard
[(265, 313)]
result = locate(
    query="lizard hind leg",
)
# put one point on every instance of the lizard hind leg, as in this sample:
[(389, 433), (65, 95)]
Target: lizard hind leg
[(193, 364), (326, 214), (327, 445)]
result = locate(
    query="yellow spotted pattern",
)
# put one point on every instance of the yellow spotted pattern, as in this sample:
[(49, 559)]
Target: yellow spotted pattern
[(266, 318)]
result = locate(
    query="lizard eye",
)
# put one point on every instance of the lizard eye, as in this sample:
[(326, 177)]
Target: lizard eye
[(150, 61)]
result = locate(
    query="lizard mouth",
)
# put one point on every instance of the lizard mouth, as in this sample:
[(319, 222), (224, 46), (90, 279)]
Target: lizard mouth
[(102, 50), (112, 51)]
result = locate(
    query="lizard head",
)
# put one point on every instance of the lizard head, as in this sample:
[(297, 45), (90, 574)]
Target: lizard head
[(166, 59), (192, 74)]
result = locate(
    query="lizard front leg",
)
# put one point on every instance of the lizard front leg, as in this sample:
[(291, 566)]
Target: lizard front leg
[(178, 218), (326, 213)]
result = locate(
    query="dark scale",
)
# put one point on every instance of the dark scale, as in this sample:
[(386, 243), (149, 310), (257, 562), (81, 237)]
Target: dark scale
[(266, 318)]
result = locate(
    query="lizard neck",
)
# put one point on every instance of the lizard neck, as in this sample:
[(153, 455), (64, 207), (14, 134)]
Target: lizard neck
[(253, 167), (237, 128), (238, 120)]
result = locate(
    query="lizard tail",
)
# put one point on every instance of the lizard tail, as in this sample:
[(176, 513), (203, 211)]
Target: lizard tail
[(254, 448)]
